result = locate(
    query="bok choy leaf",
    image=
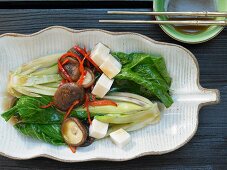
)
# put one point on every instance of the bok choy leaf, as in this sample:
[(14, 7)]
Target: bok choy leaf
[(146, 71), (30, 111), (50, 133)]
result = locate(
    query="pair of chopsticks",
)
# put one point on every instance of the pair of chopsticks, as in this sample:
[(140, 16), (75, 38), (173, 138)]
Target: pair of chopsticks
[(186, 22)]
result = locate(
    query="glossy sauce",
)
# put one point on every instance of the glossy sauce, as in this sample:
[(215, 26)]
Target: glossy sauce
[(13, 120), (190, 29), (192, 6)]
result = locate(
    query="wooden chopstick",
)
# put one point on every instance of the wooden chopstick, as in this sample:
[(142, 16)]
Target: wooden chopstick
[(191, 22), (203, 13)]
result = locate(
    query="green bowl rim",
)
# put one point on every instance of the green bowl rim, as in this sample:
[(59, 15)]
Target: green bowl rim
[(216, 31)]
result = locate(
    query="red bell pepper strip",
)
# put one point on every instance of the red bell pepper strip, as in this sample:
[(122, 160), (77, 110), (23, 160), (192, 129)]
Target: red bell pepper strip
[(71, 108), (87, 56), (82, 72), (70, 54), (48, 105), (102, 103), (81, 67), (82, 77), (60, 67), (80, 50), (72, 148), (65, 62)]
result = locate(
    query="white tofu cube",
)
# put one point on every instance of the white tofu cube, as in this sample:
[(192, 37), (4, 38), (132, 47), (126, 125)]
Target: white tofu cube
[(111, 67), (98, 129), (100, 54), (102, 86), (120, 137)]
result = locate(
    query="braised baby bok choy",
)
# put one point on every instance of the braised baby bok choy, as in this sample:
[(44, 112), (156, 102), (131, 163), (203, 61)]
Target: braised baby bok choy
[(33, 79), (81, 96)]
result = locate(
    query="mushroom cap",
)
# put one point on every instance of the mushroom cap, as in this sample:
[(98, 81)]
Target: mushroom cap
[(72, 68), (74, 132), (67, 94)]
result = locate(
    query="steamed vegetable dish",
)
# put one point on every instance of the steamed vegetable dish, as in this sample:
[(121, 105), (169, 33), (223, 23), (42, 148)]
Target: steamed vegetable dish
[(81, 96)]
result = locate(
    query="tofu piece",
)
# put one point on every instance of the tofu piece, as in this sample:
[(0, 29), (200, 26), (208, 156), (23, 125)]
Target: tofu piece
[(102, 86), (120, 137), (100, 54), (111, 67), (98, 129)]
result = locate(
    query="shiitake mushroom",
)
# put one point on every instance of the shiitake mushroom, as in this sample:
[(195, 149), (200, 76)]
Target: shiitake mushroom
[(89, 78), (66, 94), (88, 141), (74, 132), (72, 68)]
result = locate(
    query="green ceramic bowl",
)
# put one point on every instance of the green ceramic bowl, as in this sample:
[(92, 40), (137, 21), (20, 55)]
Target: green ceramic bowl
[(202, 36)]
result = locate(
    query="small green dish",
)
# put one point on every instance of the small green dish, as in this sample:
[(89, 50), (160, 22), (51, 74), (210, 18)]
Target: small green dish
[(191, 38)]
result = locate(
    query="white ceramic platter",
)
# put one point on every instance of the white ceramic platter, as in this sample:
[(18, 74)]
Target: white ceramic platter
[(178, 123)]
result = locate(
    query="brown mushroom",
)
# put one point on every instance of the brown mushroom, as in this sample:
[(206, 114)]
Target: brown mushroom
[(88, 141), (67, 94), (73, 132), (72, 68), (89, 78)]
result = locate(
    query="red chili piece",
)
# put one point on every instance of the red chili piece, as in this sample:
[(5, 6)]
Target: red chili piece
[(87, 56), (48, 105), (81, 67), (102, 103), (83, 73), (60, 67), (72, 148), (71, 108)]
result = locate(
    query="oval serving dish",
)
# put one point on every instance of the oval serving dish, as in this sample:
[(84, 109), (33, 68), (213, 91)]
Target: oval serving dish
[(178, 123)]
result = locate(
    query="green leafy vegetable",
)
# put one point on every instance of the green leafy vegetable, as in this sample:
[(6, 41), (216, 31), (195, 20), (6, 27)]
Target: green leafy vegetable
[(48, 133), (135, 58), (146, 71), (123, 57), (43, 124), (30, 111), (9, 113), (123, 86)]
